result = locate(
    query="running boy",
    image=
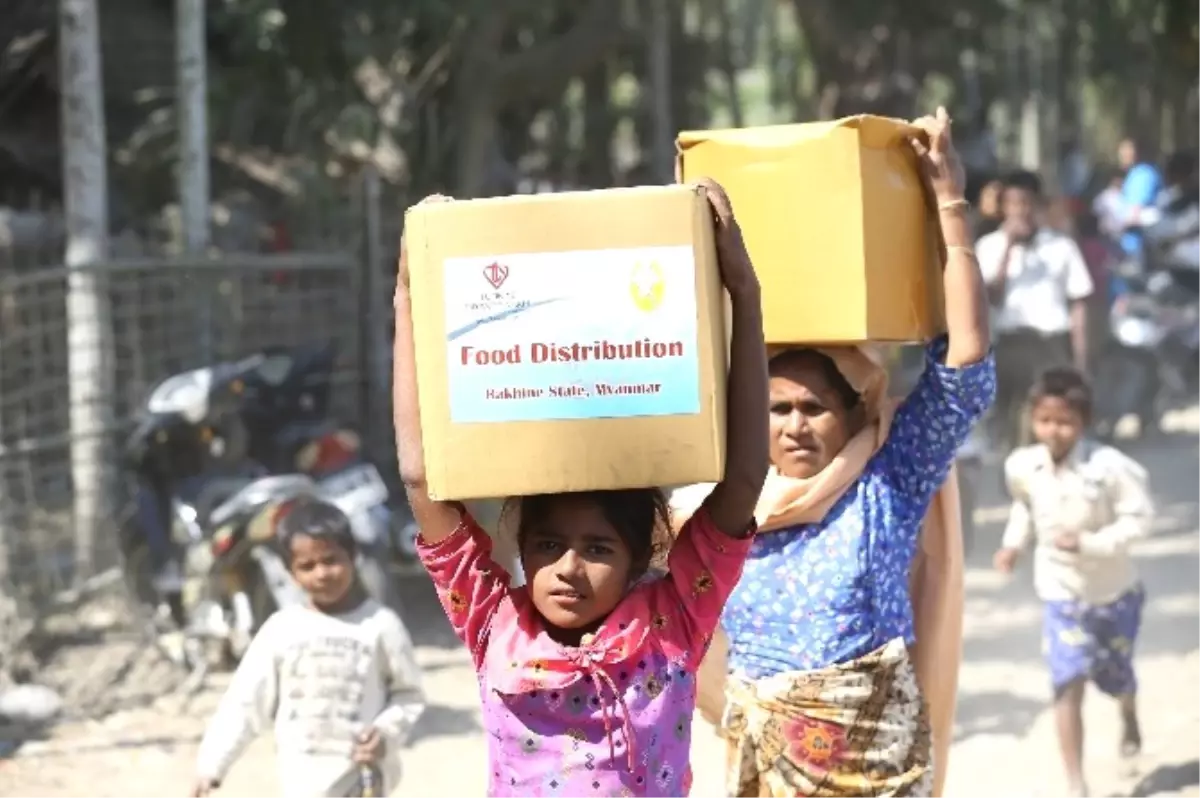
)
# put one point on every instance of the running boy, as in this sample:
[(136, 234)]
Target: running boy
[(1081, 504), (587, 673), (337, 678)]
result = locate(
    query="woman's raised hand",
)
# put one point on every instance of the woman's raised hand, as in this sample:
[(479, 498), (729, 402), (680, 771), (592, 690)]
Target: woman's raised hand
[(939, 164), (737, 272)]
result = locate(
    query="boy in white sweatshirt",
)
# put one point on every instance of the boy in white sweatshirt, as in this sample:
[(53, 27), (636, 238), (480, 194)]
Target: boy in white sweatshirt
[(1080, 504), (337, 679)]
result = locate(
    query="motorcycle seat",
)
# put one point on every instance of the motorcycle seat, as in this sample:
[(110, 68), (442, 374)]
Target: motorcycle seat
[(215, 492), (295, 435), (249, 498)]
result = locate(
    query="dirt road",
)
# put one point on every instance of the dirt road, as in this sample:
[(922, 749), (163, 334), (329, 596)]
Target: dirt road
[(1005, 743)]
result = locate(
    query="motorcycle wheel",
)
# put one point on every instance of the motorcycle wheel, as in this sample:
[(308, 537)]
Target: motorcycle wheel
[(262, 601), (377, 578), (404, 536), (262, 605), (137, 573), (144, 600)]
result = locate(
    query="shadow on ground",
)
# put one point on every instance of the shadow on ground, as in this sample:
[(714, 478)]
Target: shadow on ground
[(14, 737), (994, 712), (166, 742), (1168, 779)]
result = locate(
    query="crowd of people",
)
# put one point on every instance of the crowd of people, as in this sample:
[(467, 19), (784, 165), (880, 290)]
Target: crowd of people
[(1055, 268), (812, 599)]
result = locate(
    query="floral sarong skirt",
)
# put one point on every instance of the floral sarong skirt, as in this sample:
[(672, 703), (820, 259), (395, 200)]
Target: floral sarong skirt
[(854, 729), (1094, 641)]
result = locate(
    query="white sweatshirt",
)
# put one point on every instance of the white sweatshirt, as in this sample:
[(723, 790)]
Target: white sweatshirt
[(321, 680)]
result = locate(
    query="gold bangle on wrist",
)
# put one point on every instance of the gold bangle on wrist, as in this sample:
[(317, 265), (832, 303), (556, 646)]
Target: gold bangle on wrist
[(968, 251), (954, 205)]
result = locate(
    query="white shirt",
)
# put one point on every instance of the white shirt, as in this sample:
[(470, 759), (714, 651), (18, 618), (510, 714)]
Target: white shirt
[(320, 680), (1097, 492), (1043, 278)]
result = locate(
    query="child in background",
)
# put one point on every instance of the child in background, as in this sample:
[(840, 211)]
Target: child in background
[(1080, 504), (337, 678), (587, 672)]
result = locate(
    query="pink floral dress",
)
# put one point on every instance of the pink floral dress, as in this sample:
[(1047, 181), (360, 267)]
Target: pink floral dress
[(613, 716)]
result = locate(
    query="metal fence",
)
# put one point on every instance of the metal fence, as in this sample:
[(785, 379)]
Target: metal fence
[(163, 316)]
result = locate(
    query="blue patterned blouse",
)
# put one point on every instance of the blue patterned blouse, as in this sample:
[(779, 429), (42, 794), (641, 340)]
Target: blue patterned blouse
[(820, 594)]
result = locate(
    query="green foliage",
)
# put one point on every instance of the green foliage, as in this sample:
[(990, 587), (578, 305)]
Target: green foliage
[(478, 95)]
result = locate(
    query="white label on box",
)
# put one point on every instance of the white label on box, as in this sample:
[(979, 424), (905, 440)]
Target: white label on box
[(572, 335)]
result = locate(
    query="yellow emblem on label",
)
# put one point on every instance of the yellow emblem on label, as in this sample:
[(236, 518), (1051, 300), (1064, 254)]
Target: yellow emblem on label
[(647, 286)]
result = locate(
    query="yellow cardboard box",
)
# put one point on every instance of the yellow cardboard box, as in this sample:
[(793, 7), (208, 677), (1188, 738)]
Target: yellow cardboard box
[(568, 342), (836, 222)]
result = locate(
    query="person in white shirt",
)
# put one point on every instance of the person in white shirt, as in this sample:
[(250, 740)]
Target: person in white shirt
[(1038, 284), (1080, 504), (337, 679)]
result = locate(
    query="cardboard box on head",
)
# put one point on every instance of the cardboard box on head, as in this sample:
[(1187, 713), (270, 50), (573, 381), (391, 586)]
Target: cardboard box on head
[(836, 221), (568, 342)]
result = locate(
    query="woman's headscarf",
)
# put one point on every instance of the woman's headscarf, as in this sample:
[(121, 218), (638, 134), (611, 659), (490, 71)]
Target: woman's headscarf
[(936, 577)]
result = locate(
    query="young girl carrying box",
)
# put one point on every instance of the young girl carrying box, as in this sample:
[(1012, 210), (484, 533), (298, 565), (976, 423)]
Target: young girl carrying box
[(587, 673)]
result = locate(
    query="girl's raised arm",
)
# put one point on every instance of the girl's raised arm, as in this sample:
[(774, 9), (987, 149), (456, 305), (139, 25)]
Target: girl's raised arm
[(437, 520), (731, 503)]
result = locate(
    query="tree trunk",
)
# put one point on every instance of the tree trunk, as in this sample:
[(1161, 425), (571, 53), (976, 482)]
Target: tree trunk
[(193, 123), (751, 20), (476, 105), (488, 80), (777, 86), (85, 190), (823, 37), (1180, 53), (192, 105), (476, 121), (802, 104), (729, 65), (596, 169), (663, 130), (1032, 110)]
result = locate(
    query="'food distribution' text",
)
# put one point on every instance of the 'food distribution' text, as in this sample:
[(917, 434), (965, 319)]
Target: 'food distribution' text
[(571, 353)]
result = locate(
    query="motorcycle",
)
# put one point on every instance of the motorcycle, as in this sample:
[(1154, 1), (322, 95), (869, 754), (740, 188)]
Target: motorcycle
[(192, 487), (1151, 360), (1127, 370), (288, 413), (245, 565)]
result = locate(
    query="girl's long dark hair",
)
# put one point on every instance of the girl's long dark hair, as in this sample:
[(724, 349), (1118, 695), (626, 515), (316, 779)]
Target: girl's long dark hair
[(641, 516)]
